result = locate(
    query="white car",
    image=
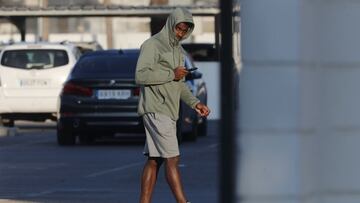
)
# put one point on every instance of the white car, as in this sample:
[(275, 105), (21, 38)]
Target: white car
[(31, 77)]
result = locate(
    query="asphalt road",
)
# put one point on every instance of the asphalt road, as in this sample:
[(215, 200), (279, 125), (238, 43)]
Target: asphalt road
[(33, 168)]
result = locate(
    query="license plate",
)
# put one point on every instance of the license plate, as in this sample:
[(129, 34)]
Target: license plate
[(113, 94), (34, 82)]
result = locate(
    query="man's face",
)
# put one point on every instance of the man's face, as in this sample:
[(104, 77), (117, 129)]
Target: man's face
[(180, 30)]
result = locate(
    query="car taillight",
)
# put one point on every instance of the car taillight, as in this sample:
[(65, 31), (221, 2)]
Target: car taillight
[(70, 88), (136, 91)]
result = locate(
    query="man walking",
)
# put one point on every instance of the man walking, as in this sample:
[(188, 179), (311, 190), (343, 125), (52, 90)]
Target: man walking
[(160, 71)]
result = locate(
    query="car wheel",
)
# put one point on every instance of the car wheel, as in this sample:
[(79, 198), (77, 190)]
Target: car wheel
[(192, 136), (179, 135), (8, 122), (65, 137), (179, 131), (86, 139), (202, 128)]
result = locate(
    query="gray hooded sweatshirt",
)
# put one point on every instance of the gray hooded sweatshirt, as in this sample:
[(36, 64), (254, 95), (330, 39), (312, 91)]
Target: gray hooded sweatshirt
[(159, 56)]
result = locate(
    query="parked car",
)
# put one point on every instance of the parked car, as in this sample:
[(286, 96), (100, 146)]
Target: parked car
[(31, 78), (100, 98)]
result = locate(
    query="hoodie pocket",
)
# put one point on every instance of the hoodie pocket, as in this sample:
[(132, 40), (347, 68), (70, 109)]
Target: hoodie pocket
[(161, 95)]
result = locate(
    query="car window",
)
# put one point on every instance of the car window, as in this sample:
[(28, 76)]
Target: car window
[(34, 58), (77, 53), (202, 52), (106, 66)]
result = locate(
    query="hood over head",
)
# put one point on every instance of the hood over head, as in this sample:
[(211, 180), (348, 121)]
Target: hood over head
[(179, 15)]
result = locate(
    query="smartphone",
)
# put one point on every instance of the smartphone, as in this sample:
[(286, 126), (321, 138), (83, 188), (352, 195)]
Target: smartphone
[(192, 69)]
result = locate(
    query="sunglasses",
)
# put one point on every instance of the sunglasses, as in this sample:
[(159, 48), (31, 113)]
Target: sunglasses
[(182, 30)]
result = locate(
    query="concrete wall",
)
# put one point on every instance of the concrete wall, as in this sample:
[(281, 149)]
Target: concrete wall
[(299, 115)]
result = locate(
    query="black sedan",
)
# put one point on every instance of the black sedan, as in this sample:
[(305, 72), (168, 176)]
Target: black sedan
[(100, 99)]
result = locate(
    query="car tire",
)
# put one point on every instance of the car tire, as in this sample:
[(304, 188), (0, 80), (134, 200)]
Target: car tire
[(8, 123), (86, 139), (65, 138), (179, 131), (179, 135), (202, 128), (193, 134)]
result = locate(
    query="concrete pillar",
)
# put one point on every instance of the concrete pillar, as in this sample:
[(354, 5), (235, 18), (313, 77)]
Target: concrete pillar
[(20, 23), (299, 116)]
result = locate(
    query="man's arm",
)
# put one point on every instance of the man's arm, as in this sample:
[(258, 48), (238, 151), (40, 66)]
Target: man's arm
[(147, 71), (192, 101), (186, 95)]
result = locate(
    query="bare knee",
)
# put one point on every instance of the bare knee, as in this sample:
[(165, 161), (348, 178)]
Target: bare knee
[(173, 161), (155, 162)]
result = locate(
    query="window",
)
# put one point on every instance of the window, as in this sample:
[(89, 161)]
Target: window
[(34, 58), (106, 66), (202, 52)]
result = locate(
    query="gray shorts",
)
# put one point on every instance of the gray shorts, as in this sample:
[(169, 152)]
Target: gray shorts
[(161, 138)]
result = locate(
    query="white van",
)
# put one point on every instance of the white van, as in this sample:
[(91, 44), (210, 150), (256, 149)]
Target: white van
[(31, 77)]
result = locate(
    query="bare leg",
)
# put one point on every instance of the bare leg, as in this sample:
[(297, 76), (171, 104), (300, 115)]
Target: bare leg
[(148, 179), (173, 178)]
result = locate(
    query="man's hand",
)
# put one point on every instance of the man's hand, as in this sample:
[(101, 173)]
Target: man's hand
[(202, 109), (180, 72)]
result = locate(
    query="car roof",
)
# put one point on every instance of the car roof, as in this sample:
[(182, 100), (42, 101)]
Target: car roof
[(38, 45)]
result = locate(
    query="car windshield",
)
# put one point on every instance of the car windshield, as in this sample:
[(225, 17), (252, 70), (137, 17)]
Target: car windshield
[(34, 58), (122, 66)]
